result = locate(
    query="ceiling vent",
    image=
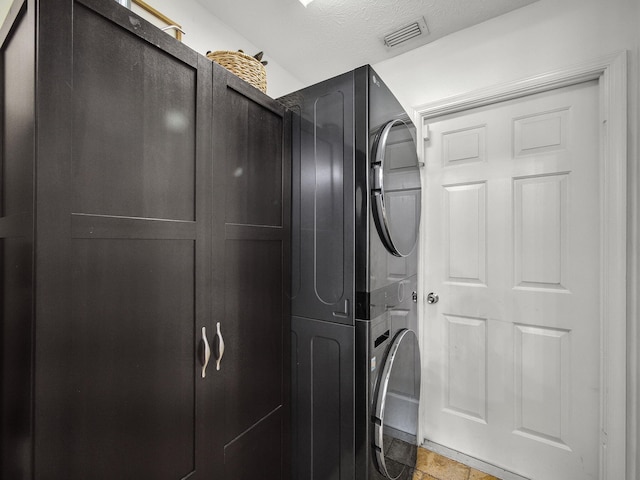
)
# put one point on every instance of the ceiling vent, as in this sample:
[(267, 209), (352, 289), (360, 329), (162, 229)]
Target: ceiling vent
[(406, 33)]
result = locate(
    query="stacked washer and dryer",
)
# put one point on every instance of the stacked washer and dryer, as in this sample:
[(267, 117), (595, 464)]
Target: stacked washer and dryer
[(356, 212)]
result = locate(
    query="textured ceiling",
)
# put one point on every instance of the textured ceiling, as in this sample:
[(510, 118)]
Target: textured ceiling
[(332, 36)]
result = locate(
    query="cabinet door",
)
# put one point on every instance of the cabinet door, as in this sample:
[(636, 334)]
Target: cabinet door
[(16, 241), (122, 248), (251, 276)]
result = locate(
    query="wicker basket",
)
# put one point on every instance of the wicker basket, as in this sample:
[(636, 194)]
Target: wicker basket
[(244, 66)]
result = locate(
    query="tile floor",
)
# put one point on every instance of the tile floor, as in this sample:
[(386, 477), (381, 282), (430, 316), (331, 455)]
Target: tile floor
[(431, 466), (428, 465)]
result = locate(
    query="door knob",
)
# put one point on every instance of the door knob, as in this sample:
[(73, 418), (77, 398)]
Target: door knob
[(432, 298)]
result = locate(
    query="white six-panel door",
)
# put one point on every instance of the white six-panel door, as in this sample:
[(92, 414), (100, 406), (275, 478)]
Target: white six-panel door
[(513, 250)]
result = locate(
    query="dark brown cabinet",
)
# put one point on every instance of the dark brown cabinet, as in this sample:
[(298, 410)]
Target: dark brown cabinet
[(251, 244), (144, 203)]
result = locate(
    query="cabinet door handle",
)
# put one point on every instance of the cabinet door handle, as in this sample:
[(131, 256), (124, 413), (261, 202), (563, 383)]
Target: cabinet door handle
[(220, 346), (206, 352)]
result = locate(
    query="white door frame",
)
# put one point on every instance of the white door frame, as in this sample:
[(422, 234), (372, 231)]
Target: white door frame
[(611, 74)]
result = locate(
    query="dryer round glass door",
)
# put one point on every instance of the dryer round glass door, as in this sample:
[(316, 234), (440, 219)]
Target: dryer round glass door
[(396, 191), (396, 408)]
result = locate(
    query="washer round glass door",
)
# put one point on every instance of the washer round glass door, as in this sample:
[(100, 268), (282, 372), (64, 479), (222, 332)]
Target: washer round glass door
[(397, 401), (396, 190)]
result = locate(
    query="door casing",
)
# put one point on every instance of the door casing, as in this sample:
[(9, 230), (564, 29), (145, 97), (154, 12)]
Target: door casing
[(618, 440)]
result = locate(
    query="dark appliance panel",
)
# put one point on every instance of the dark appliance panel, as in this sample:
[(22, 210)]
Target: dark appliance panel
[(322, 198), (388, 190), (355, 216), (375, 339), (355, 222), (323, 400), (336, 377)]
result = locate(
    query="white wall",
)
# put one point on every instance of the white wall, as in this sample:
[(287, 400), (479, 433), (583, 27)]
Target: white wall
[(542, 37), (206, 32), (4, 9)]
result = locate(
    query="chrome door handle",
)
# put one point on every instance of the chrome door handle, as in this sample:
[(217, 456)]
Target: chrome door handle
[(432, 298), (206, 352), (220, 347)]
